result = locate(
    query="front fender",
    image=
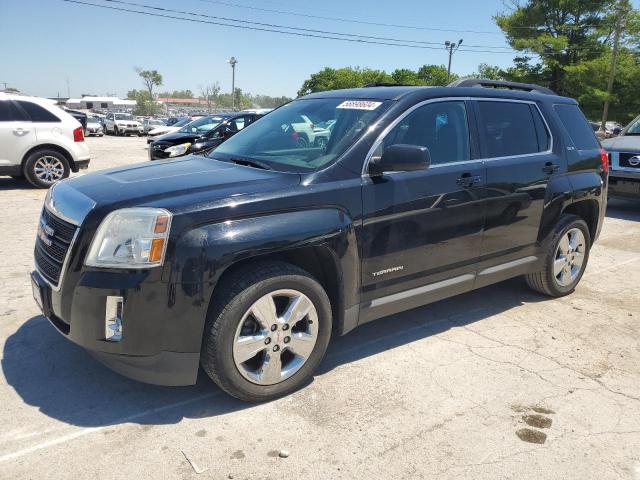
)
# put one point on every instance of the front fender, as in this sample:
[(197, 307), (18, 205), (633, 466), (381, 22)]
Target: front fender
[(202, 254)]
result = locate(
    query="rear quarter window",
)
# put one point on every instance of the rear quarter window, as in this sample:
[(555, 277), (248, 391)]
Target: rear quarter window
[(37, 113), (577, 127)]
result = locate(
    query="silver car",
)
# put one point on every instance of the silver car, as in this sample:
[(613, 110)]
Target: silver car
[(94, 127), (149, 124)]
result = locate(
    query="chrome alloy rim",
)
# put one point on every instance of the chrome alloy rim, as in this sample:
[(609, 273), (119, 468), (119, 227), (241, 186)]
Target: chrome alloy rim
[(48, 169), (569, 257), (275, 337)]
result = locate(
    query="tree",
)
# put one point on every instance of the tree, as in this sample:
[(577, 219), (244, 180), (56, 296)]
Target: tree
[(210, 93), (145, 104), (561, 32), (150, 79), (177, 94), (435, 75)]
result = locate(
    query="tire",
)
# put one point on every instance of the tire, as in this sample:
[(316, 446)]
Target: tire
[(35, 168), (321, 142), (230, 313), (546, 280)]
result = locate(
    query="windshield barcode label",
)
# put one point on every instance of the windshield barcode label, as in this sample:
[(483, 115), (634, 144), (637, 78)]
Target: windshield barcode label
[(359, 105)]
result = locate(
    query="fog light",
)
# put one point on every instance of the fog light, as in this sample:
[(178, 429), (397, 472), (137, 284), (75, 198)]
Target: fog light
[(113, 319)]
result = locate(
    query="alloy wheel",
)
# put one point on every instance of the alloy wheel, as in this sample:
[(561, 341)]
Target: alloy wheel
[(48, 169), (569, 257), (275, 337)]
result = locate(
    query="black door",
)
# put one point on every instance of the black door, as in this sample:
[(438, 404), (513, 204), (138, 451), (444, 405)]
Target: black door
[(422, 231), (520, 160)]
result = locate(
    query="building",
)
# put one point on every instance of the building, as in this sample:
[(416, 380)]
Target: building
[(102, 103)]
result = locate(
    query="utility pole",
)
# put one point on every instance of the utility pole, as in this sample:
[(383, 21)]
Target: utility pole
[(68, 88), (5, 85), (614, 61), (233, 61), (451, 47)]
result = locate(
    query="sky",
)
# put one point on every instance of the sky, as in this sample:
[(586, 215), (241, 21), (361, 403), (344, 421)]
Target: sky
[(50, 47)]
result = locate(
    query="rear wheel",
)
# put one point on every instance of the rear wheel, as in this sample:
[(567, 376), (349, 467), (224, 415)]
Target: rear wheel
[(266, 332), (43, 168), (566, 259)]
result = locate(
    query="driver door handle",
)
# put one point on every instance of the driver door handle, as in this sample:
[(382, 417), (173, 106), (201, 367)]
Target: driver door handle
[(467, 180), (550, 168)]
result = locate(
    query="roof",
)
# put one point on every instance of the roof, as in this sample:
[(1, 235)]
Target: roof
[(114, 100)]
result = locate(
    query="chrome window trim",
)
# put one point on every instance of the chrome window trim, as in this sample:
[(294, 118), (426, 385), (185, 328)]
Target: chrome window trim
[(393, 124)]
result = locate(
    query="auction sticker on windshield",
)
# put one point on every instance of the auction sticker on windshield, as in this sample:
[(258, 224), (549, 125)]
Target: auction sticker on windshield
[(359, 105)]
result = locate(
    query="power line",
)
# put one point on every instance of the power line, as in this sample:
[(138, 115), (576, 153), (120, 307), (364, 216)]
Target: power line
[(273, 25), (273, 30), (380, 24)]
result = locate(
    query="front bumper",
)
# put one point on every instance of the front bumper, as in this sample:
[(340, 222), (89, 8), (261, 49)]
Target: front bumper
[(624, 184), (152, 348)]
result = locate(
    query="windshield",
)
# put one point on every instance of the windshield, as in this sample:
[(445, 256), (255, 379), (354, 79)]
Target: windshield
[(202, 125), (182, 123), (304, 135), (123, 116), (92, 120), (156, 122), (634, 127)]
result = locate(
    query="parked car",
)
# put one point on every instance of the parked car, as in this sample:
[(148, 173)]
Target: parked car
[(39, 141), (246, 261), (624, 156), (122, 124), (149, 124), (94, 127), (79, 116), (200, 136), (163, 130), (173, 120)]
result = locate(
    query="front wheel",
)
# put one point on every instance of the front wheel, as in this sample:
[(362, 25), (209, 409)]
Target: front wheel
[(266, 332), (566, 259)]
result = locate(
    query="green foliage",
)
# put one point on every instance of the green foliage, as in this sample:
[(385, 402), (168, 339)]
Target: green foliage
[(177, 94), (354, 77), (150, 79), (145, 104)]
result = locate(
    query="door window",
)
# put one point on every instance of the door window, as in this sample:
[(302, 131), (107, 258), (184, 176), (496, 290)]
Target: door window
[(37, 113), (9, 112), (509, 129), (441, 127)]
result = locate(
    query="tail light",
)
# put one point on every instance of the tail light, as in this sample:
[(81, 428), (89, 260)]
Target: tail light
[(604, 158), (294, 135), (78, 135)]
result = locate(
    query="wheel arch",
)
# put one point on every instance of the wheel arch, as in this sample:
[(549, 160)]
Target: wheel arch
[(50, 146)]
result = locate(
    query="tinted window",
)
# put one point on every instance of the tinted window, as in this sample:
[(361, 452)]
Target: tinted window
[(579, 130), (9, 112), (508, 129), (37, 113), (441, 127)]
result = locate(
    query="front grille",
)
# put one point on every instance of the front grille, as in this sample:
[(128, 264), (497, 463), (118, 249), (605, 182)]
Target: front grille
[(630, 160), (52, 245)]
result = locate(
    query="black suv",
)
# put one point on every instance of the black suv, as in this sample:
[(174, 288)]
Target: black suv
[(201, 135), (248, 260)]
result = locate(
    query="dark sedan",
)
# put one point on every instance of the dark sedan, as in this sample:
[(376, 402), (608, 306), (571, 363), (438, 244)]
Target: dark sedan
[(201, 135)]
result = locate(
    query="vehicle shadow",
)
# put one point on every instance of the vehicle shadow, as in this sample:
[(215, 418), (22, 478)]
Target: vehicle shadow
[(64, 382), (623, 209), (9, 183)]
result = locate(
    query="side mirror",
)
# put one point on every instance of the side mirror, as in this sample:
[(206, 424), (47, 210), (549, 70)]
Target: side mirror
[(400, 158)]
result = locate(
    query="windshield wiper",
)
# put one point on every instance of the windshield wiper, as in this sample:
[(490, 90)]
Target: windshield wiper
[(248, 162)]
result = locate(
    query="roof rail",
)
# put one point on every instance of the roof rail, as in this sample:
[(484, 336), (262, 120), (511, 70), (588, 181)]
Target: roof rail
[(387, 84), (483, 83)]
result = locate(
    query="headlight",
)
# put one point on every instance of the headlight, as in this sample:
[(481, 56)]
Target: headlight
[(131, 238), (177, 150)]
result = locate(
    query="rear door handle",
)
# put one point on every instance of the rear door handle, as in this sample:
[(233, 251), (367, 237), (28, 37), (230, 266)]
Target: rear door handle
[(550, 168), (467, 180), (20, 131)]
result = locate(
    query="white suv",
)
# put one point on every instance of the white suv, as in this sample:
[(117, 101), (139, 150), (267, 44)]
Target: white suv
[(122, 124), (39, 141)]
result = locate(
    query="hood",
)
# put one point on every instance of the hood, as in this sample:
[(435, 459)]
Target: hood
[(177, 138), (625, 143), (163, 130), (178, 184)]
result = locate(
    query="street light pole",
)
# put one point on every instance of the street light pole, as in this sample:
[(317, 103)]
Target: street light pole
[(232, 61), (451, 47)]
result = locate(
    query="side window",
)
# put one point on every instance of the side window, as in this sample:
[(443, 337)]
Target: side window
[(442, 127), (89, 105), (508, 129), (577, 127), (9, 112), (104, 105), (239, 123), (37, 113)]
